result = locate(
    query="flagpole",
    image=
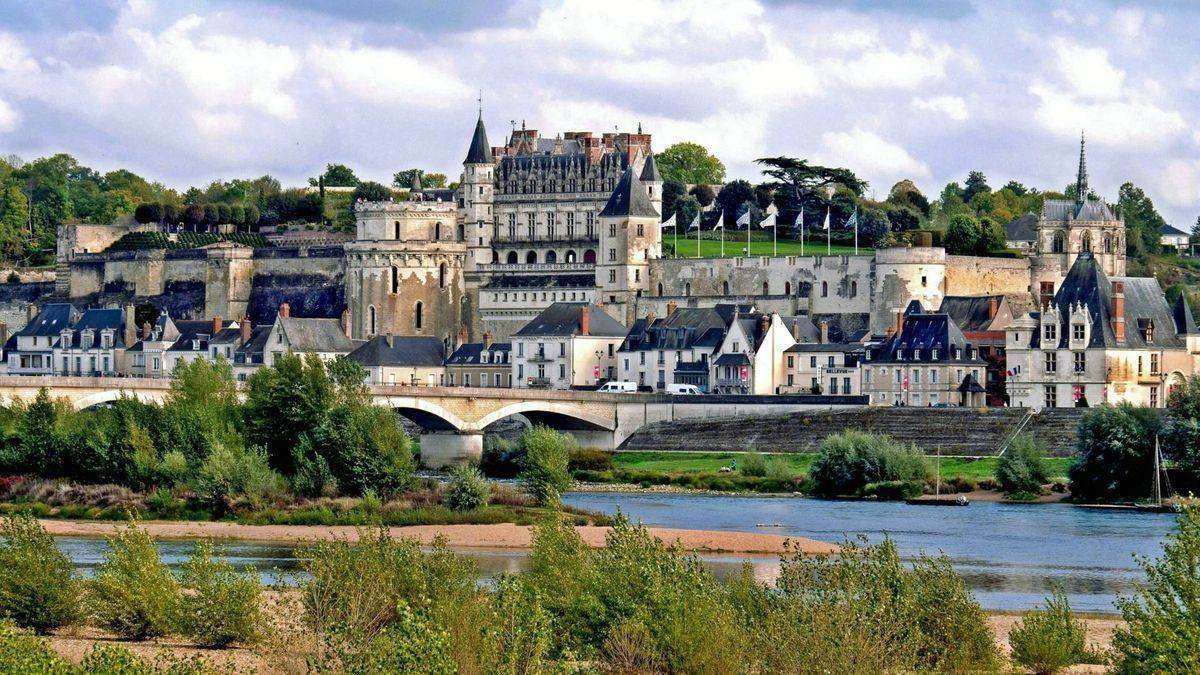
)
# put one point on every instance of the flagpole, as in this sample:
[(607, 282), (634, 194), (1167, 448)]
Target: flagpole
[(775, 240), (675, 227), (697, 234), (828, 232), (855, 230), (721, 222), (747, 233)]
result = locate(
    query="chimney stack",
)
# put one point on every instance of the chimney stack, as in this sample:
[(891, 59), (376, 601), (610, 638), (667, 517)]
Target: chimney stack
[(346, 321), (764, 324), (824, 332), (246, 327), (891, 331), (487, 339), (216, 327), (671, 307), (796, 329), (585, 320), (899, 321), (285, 310), (993, 304), (130, 326), (1047, 295), (30, 312), (1118, 310), (145, 330), (651, 317)]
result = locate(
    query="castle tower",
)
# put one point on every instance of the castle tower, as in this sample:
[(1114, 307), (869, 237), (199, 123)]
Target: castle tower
[(653, 181), (630, 237), (475, 206)]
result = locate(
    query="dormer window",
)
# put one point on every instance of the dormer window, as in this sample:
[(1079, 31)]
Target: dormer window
[(933, 354), (1050, 332), (195, 344), (106, 339), (1077, 331), (483, 356), (1148, 332)]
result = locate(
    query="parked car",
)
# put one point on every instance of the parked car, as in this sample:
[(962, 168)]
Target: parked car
[(619, 387), (683, 390)]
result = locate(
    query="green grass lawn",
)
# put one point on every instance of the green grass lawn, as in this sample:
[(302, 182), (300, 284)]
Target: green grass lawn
[(736, 241), (709, 462)]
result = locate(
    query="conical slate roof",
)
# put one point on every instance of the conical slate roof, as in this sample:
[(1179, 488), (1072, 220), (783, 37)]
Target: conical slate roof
[(481, 150), (629, 199), (650, 171)]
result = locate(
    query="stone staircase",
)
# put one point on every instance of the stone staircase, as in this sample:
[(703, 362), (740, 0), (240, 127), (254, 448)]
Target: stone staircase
[(957, 431)]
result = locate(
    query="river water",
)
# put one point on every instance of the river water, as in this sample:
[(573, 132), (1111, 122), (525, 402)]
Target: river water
[(1009, 555)]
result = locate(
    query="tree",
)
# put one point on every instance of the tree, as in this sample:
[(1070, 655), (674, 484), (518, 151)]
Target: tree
[(252, 215), (976, 183), (371, 191), (1181, 431), (404, 179), (906, 193), (703, 194), (1143, 224), (1114, 454), (1022, 469), (150, 212), (366, 449), (872, 226), (690, 164), (336, 175), (962, 235), (671, 192), (283, 403), (14, 219), (992, 237), (1016, 188), (212, 215), (732, 196), (224, 213), (800, 186), (545, 466), (903, 218)]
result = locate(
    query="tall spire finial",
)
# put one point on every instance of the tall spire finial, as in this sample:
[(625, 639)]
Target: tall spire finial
[(480, 101), (1081, 180)]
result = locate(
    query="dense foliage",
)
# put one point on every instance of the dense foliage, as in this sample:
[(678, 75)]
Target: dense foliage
[(37, 585), (1050, 639), (545, 465), (850, 462), (1115, 453), (1022, 470)]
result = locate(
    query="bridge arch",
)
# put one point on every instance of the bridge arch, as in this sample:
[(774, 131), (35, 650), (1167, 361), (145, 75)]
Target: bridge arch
[(551, 411), (102, 397), (428, 415)]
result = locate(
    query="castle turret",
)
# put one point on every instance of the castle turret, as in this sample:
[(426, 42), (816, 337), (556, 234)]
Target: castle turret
[(630, 237), (476, 201), (653, 181)]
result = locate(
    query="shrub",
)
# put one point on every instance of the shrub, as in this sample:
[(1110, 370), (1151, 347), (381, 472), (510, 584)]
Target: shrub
[(501, 458), (163, 504), (1023, 468), (173, 469), (223, 605), (468, 490), (894, 489), (752, 464), (133, 594), (849, 461), (1114, 453), (232, 473), (589, 459), (410, 644), (1162, 622), (366, 449), (312, 477), (544, 469), (38, 589), (779, 468), (21, 652), (1048, 640)]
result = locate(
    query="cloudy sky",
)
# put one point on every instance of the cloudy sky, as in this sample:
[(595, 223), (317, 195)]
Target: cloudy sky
[(188, 91)]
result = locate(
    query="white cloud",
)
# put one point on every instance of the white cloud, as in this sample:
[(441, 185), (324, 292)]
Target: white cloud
[(1128, 23), (1087, 71), (952, 107), (1126, 123), (385, 76), (882, 161), (1181, 183), (920, 62), (9, 119)]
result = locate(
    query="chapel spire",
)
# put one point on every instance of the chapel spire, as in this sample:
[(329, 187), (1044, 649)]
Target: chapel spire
[(1081, 180)]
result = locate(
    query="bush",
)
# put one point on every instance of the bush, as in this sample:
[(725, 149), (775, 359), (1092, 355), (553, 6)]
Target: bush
[(501, 458), (589, 459), (21, 652), (410, 644), (778, 468), (133, 594), (1023, 468), (1048, 640), (1114, 453), (38, 589), (222, 605), (173, 469), (894, 489), (312, 477), (366, 449), (468, 490), (752, 464), (231, 473), (544, 469), (850, 461), (1162, 622)]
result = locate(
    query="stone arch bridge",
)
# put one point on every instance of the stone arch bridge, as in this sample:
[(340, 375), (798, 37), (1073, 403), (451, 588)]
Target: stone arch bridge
[(453, 419)]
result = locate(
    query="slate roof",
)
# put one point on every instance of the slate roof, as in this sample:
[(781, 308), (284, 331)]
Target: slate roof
[(970, 312), (252, 350), (562, 319), (1066, 209), (970, 385), (1184, 323), (806, 347), (685, 328), (926, 332), (50, 321), (1172, 231), (629, 199), (399, 350), (650, 171), (191, 330), (1022, 229), (480, 151), (98, 320), (305, 335), (738, 359), (468, 353), (802, 328)]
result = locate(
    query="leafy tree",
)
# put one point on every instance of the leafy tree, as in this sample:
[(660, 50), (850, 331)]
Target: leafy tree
[(545, 471), (732, 196), (150, 212), (1143, 224), (284, 402), (872, 226), (992, 237), (171, 213), (686, 208), (800, 186), (1023, 469), (848, 462), (366, 449), (404, 179), (224, 213), (14, 221), (903, 218), (38, 588), (671, 193), (1196, 228), (1114, 454), (237, 214), (212, 215), (194, 215), (336, 175), (976, 184), (1181, 431), (703, 194), (690, 164), (906, 193), (1016, 188), (962, 235), (372, 192)]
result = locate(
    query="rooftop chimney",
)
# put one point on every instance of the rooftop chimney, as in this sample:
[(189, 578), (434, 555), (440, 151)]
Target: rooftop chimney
[(1118, 310), (388, 337), (246, 327), (671, 307), (824, 332), (585, 320), (285, 310), (796, 330), (891, 331), (30, 312), (651, 317), (899, 321), (487, 339), (1047, 294), (993, 304), (346, 321), (764, 324), (130, 326), (216, 324), (145, 330)]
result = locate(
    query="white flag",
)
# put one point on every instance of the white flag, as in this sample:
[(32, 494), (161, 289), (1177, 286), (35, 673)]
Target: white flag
[(827, 219), (771, 209), (769, 221), (853, 222), (720, 220), (669, 222), (744, 220), (695, 222)]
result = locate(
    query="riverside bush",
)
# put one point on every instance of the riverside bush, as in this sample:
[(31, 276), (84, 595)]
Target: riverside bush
[(38, 589), (133, 594), (222, 605), (1050, 639), (590, 459), (544, 469), (1023, 468), (848, 462), (1162, 622), (231, 473), (752, 464), (468, 490)]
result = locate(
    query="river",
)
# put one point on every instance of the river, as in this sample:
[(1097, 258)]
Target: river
[(1009, 555)]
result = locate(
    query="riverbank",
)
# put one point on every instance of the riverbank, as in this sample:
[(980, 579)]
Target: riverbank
[(501, 536)]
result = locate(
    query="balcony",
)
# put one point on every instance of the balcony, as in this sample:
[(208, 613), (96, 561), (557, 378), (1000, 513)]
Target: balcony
[(539, 357), (537, 268), (732, 382), (539, 383)]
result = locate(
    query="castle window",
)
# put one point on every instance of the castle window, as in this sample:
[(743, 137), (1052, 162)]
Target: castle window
[(824, 289), (766, 288), (1108, 243), (1086, 243), (641, 230), (551, 257), (787, 288), (512, 258), (1059, 245), (437, 231), (570, 257), (612, 229), (397, 230), (395, 280), (854, 289), (660, 289), (687, 289), (724, 288), (419, 315), (442, 275), (589, 256), (370, 320), (1051, 333), (1077, 331), (531, 257)]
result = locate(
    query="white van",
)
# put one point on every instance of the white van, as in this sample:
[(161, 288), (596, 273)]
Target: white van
[(617, 387), (683, 390)]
